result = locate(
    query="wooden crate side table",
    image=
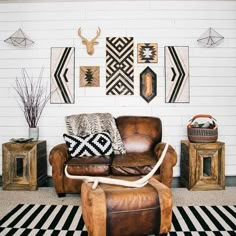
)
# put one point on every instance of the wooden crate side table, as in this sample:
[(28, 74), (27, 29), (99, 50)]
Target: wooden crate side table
[(24, 165), (202, 165)]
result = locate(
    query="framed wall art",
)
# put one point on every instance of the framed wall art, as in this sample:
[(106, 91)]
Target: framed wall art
[(147, 52), (62, 84), (119, 66), (177, 74), (148, 84), (89, 76)]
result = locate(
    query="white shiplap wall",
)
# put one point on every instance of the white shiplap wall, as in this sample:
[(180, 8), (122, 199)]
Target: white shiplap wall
[(175, 23)]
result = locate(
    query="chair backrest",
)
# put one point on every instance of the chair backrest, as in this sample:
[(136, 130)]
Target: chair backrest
[(139, 133)]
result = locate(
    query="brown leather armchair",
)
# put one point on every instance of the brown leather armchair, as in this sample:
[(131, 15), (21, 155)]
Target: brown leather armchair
[(142, 138)]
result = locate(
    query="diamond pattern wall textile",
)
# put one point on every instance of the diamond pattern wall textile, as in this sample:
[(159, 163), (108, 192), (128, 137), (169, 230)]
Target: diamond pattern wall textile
[(119, 66)]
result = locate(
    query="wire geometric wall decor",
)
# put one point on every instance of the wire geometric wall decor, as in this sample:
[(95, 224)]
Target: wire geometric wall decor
[(210, 38), (19, 39)]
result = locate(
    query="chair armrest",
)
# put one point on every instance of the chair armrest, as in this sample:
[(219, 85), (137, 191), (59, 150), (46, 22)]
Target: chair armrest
[(59, 155), (170, 159), (57, 158)]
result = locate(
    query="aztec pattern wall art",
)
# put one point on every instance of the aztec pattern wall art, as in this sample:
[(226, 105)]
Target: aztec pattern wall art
[(89, 76), (177, 74), (147, 53), (148, 84), (62, 75), (119, 66)]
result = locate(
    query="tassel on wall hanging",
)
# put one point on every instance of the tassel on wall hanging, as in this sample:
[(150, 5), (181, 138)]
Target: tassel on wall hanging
[(210, 38), (19, 39)]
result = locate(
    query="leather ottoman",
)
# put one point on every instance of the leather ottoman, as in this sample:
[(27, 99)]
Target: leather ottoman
[(120, 211)]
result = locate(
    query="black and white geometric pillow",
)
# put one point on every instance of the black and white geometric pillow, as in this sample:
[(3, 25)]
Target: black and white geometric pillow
[(91, 145)]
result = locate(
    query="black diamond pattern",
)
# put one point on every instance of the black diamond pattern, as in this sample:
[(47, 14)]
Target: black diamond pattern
[(91, 145), (119, 66)]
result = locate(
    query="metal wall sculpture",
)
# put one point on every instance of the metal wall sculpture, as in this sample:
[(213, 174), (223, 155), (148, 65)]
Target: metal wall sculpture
[(148, 84), (147, 53), (177, 74), (119, 66), (89, 76), (210, 38), (19, 39), (62, 75)]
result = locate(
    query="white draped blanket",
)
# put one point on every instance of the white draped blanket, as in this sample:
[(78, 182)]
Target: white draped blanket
[(86, 124)]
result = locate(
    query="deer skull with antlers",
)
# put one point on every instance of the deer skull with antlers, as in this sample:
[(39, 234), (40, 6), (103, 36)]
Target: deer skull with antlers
[(89, 43)]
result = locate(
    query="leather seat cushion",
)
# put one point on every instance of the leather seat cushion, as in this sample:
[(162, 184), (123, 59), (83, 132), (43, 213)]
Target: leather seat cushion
[(133, 164), (89, 165)]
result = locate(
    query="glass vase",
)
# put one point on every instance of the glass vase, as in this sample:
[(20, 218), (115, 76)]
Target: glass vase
[(34, 133)]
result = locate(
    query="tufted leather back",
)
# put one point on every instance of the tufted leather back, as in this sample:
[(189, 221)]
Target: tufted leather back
[(139, 133)]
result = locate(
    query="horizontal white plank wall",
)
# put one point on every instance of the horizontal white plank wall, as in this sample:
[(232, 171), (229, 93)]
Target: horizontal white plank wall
[(168, 23)]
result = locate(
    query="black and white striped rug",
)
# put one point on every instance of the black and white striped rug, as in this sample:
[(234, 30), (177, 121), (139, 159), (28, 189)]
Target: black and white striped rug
[(38, 220)]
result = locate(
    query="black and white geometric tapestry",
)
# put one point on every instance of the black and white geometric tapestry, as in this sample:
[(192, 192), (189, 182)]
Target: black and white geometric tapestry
[(177, 74), (62, 75), (98, 144), (147, 53), (66, 220), (119, 66)]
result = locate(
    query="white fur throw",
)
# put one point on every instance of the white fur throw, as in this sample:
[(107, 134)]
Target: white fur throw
[(86, 124)]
